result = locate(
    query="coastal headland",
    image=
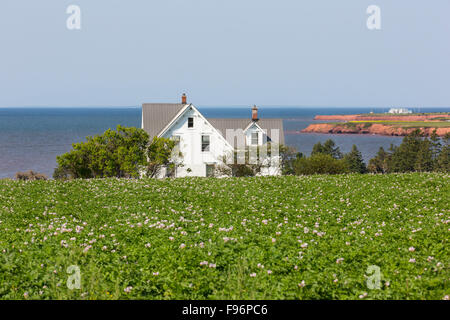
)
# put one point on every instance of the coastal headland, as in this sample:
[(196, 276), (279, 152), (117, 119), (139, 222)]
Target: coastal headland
[(381, 124)]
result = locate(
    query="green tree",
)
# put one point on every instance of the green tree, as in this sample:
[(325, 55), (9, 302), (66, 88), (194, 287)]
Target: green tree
[(442, 163), (404, 157), (436, 148), (288, 155), (329, 147), (317, 149), (380, 163), (118, 153), (162, 154), (424, 157), (320, 164), (355, 161)]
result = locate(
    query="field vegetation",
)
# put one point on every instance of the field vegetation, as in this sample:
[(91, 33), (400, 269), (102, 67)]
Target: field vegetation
[(290, 237), (401, 124)]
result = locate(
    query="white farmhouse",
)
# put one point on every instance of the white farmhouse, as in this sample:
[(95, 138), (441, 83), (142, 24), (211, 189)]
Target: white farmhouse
[(205, 143)]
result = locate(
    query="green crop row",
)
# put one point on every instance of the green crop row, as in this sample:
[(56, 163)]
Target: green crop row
[(316, 237)]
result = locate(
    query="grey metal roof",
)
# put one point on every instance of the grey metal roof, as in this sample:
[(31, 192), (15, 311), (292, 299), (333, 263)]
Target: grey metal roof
[(222, 124), (155, 116)]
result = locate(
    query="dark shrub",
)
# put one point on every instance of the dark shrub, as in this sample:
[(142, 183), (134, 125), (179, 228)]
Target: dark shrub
[(30, 175), (242, 170), (320, 164), (118, 153)]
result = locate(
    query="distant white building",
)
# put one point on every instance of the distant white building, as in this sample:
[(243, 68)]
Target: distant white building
[(399, 110), (203, 142)]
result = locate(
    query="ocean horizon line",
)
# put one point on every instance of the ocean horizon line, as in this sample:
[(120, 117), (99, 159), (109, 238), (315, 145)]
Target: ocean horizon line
[(221, 106)]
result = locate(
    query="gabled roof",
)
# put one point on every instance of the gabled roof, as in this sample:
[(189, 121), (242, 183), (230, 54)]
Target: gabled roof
[(222, 124), (179, 114), (155, 116)]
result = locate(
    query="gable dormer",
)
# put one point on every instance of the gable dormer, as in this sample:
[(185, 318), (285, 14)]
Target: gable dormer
[(255, 135)]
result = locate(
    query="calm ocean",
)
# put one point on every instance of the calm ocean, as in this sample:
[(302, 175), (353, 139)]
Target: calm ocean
[(31, 138)]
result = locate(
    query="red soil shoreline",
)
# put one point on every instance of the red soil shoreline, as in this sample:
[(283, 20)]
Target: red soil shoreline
[(375, 128)]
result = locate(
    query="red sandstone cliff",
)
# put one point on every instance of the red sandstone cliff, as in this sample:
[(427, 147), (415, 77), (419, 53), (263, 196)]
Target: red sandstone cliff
[(376, 128)]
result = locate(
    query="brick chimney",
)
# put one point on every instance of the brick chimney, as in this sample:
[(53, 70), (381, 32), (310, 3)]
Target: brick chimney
[(184, 99), (255, 113)]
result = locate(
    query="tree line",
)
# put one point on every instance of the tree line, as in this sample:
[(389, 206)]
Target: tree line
[(127, 153), (416, 153)]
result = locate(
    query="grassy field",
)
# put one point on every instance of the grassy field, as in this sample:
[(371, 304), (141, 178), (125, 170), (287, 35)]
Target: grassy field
[(405, 114), (406, 124), (316, 237)]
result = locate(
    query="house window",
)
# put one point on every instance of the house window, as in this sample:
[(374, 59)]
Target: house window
[(205, 143), (254, 138), (190, 122)]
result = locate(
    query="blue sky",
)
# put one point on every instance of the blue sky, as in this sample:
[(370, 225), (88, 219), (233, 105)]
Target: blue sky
[(227, 52)]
